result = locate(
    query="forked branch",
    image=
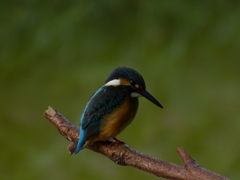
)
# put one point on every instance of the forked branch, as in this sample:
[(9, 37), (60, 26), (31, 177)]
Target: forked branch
[(122, 154)]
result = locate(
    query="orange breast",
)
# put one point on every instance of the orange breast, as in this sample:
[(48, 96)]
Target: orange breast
[(114, 123), (118, 120)]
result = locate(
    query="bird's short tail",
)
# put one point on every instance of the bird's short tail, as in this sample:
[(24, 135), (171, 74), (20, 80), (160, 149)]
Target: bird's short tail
[(81, 141)]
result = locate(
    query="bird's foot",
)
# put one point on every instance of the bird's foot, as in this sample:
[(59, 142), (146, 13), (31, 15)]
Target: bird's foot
[(118, 141)]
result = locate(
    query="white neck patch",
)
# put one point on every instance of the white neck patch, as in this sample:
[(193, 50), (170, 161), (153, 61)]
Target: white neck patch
[(115, 82)]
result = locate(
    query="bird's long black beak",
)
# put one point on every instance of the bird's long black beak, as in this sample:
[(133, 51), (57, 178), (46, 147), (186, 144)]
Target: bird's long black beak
[(148, 96)]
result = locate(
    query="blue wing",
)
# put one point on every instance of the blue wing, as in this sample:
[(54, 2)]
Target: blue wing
[(105, 100)]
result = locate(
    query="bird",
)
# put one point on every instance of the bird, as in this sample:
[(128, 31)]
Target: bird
[(112, 107)]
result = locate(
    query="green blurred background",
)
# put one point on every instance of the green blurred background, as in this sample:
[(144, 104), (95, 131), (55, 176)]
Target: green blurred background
[(59, 52)]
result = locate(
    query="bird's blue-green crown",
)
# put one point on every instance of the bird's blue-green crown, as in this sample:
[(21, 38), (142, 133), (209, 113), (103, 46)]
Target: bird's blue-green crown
[(128, 74)]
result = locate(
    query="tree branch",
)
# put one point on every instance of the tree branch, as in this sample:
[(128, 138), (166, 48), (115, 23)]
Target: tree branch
[(122, 154)]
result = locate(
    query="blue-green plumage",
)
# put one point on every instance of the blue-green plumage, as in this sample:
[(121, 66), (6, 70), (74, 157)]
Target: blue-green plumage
[(102, 103), (112, 107)]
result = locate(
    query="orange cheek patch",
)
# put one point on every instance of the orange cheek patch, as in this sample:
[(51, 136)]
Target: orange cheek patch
[(124, 82)]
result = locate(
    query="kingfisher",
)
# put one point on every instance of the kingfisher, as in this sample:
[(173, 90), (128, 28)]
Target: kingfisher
[(113, 107)]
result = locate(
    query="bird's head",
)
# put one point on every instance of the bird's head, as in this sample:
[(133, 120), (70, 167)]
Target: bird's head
[(126, 76)]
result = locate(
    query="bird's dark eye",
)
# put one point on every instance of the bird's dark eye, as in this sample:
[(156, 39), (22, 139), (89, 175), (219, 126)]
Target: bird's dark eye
[(134, 84)]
